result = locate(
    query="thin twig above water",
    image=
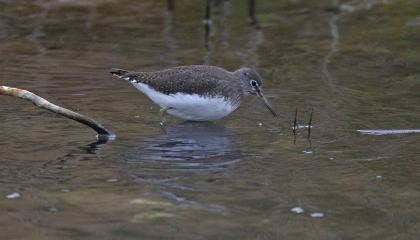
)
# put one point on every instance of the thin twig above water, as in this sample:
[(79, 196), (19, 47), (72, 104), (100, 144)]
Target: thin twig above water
[(38, 101)]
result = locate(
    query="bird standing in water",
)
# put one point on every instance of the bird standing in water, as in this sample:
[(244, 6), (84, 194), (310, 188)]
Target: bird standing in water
[(197, 92)]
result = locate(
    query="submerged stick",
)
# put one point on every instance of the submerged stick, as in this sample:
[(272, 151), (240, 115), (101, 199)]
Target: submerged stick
[(38, 101)]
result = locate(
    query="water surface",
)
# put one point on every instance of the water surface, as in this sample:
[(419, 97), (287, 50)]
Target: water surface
[(356, 63)]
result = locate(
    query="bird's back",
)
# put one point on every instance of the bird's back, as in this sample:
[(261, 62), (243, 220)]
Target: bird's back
[(203, 80)]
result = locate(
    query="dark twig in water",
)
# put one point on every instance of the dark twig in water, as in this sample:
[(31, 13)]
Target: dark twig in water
[(38, 101), (167, 55), (251, 12), (310, 123), (310, 144), (171, 5), (207, 25), (297, 127), (94, 147), (295, 124)]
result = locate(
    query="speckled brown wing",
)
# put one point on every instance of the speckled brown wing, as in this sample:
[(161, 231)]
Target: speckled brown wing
[(203, 80)]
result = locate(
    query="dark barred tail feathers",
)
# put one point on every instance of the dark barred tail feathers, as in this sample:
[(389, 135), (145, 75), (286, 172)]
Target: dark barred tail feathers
[(119, 73)]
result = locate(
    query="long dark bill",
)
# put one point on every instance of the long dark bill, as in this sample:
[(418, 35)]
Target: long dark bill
[(267, 104)]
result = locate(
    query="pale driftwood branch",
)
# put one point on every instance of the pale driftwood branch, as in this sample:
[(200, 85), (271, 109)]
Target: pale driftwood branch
[(42, 103)]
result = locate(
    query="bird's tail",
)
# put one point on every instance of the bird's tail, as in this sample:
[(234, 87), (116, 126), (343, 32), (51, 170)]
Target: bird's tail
[(118, 72)]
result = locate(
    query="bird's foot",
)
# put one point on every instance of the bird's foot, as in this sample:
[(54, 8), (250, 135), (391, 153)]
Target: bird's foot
[(163, 126), (163, 123)]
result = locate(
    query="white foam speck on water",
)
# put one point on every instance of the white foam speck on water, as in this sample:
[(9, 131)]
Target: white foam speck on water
[(53, 209), (389, 132), (297, 210), (317, 215), (13, 195)]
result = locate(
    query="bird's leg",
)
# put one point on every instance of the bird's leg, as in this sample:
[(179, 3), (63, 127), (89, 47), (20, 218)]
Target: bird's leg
[(162, 113)]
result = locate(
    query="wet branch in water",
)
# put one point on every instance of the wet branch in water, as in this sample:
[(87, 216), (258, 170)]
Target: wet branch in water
[(38, 101)]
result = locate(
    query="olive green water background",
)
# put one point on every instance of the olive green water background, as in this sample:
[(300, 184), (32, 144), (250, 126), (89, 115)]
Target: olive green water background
[(356, 63)]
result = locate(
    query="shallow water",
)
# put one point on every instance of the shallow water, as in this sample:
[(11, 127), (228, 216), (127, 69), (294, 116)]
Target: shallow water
[(244, 177)]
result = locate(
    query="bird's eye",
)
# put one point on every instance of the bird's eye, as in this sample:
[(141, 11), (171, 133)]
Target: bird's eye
[(253, 83)]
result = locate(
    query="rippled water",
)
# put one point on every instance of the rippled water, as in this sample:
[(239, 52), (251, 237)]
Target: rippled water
[(355, 63)]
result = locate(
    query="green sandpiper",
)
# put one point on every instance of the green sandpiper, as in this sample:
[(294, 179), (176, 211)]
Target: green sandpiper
[(197, 92)]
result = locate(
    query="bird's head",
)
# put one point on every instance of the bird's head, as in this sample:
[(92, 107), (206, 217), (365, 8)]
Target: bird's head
[(251, 83)]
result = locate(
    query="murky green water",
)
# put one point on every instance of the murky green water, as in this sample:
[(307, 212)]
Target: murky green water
[(357, 65)]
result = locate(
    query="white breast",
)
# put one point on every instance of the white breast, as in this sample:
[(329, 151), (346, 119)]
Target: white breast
[(189, 106)]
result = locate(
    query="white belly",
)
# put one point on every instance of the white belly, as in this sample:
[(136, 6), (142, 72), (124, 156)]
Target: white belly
[(189, 106)]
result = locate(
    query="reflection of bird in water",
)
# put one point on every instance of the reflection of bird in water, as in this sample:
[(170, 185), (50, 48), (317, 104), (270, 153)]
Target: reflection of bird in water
[(188, 146)]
